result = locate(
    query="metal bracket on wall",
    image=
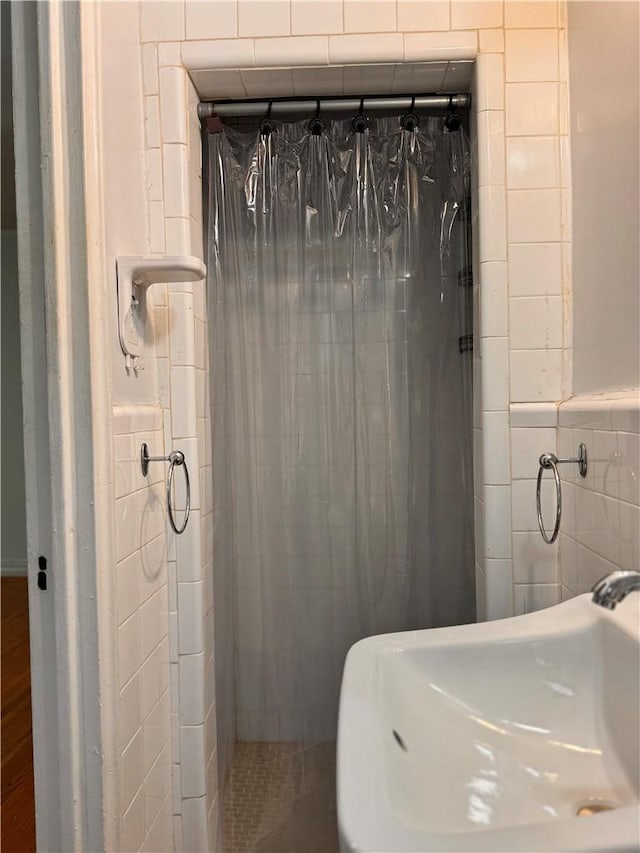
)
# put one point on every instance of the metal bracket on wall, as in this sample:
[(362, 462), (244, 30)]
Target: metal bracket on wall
[(465, 343), (134, 276)]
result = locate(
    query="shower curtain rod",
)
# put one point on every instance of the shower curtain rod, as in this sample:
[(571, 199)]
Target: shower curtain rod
[(207, 109)]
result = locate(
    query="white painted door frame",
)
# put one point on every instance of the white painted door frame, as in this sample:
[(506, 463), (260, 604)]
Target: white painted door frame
[(66, 427)]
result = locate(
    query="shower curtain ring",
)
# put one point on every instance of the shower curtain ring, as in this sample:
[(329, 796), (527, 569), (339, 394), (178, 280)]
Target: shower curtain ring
[(452, 121), (360, 122), (266, 125), (410, 121), (316, 125)]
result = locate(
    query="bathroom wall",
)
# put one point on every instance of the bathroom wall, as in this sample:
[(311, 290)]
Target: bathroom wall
[(162, 582), (601, 512), (521, 103), (150, 136), (142, 616), (173, 161), (604, 54), (601, 523), (14, 536), (125, 211), (140, 578), (535, 564), (522, 170)]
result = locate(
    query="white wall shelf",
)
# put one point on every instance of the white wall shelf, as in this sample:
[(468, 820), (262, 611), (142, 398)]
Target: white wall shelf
[(135, 275)]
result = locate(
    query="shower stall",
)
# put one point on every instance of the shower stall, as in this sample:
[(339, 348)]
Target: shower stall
[(339, 296)]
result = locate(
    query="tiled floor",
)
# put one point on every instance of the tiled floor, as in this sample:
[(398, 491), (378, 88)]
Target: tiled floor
[(281, 798)]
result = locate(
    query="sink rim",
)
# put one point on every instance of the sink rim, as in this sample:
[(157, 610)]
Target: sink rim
[(364, 825)]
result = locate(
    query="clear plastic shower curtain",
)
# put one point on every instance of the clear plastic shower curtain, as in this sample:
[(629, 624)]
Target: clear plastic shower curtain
[(341, 408)]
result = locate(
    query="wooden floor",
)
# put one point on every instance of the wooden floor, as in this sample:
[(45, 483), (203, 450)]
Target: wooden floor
[(18, 829)]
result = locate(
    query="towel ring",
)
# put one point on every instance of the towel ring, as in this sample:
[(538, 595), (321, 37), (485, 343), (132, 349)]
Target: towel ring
[(175, 458), (550, 460)]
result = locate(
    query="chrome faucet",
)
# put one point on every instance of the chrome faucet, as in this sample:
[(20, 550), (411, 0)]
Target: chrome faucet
[(615, 586)]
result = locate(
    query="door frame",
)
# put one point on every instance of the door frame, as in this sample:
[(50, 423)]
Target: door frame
[(67, 438)]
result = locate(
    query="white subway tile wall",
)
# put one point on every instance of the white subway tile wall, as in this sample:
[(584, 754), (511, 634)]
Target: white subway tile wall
[(358, 49), (601, 529), (494, 302), (490, 83), (427, 16), (257, 18), (492, 225), (438, 46), (520, 99), (201, 24), (532, 109), (174, 193), (491, 157), (476, 14), (369, 16), (143, 633), (495, 436), (497, 592), (533, 162), (301, 50), (531, 55), (535, 269), (168, 53), (535, 564), (316, 16), (161, 20)]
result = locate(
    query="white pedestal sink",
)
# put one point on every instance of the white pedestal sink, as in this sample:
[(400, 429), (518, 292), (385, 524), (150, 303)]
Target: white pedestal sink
[(494, 736)]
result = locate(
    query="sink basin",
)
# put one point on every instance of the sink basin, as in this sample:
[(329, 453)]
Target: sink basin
[(495, 736)]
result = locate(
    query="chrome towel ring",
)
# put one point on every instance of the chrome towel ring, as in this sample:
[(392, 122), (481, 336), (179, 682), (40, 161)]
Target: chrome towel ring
[(175, 458), (550, 460)]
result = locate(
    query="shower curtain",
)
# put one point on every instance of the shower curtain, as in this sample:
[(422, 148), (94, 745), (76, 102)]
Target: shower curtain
[(339, 275)]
